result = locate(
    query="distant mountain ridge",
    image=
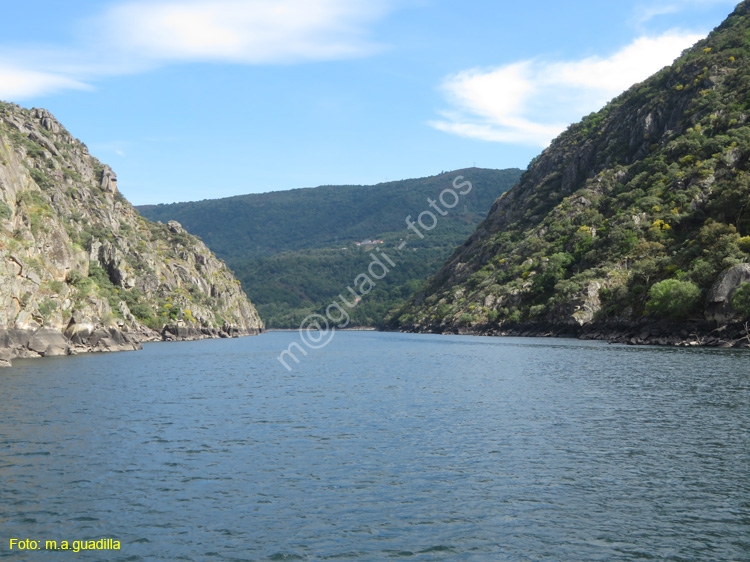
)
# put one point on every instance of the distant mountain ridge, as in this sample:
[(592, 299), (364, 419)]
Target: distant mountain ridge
[(287, 247), (81, 270), (633, 224), (320, 217)]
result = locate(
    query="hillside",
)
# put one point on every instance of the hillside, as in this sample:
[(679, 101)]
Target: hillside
[(81, 270), (633, 224), (295, 251)]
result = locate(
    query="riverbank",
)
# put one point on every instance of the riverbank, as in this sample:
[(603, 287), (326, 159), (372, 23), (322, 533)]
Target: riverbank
[(354, 329), (48, 342), (648, 332)]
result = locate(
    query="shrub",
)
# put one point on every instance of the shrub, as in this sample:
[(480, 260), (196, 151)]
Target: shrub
[(537, 310), (84, 285), (515, 316), (741, 300), (673, 298), (442, 311), (465, 319), (702, 272), (476, 279), (46, 308), (56, 286), (5, 212), (141, 311), (41, 179)]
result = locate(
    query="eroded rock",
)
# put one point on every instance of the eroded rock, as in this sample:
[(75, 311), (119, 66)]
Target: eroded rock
[(719, 300)]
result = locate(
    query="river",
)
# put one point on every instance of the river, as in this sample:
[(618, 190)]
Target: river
[(380, 446)]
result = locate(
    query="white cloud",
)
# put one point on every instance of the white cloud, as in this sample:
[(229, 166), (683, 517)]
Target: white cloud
[(246, 31), (646, 12), (17, 83), (531, 102), (137, 35)]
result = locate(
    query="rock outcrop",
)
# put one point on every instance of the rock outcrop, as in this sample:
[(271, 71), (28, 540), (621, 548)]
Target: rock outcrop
[(719, 302), (81, 270)]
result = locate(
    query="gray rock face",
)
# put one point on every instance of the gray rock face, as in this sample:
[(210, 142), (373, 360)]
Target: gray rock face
[(587, 304), (80, 270), (48, 342), (719, 301)]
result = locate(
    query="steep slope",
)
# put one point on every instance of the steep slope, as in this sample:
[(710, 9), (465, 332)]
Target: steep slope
[(81, 270), (636, 214), (295, 251)]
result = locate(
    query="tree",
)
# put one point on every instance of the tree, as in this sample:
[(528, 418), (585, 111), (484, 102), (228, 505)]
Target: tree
[(673, 298), (741, 300)]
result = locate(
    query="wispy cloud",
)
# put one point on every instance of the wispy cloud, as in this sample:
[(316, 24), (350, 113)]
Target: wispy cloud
[(137, 35), (18, 83), (532, 101), (116, 147), (645, 12)]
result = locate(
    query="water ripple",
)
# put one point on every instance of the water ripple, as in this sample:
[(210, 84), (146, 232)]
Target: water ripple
[(381, 446)]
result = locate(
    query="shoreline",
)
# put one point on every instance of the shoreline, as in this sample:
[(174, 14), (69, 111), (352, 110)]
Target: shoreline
[(355, 329), (18, 343), (48, 342), (735, 335)]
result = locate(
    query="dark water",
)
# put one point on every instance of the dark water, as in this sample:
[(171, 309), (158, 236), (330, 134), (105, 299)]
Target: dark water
[(378, 447)]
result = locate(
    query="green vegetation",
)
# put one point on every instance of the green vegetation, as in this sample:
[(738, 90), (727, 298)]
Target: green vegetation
[(46, 308), (289, 286), (57, 287), (295, 251), (266, 224), (5, 212), (99, 282), (41, 179), (673, 299), (741, 300), (643, 201)]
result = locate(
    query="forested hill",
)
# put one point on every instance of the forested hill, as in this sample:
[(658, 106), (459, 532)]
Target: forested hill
[(321, 217), (295, 251), (638, 214)]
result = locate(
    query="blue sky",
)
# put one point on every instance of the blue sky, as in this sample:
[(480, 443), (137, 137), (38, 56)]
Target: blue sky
[(196, 99)]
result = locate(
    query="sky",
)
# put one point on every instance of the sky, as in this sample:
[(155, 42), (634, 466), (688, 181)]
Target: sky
[(200, 99)]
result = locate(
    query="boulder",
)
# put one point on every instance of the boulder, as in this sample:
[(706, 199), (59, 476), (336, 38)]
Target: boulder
[(108, 182), (719, 301), (5, 356), (48, 342), (180, 331), (111, 339), (79, 328)]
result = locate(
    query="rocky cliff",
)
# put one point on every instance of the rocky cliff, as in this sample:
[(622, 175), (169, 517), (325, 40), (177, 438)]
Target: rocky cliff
[(634, 223), (81, 270)]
